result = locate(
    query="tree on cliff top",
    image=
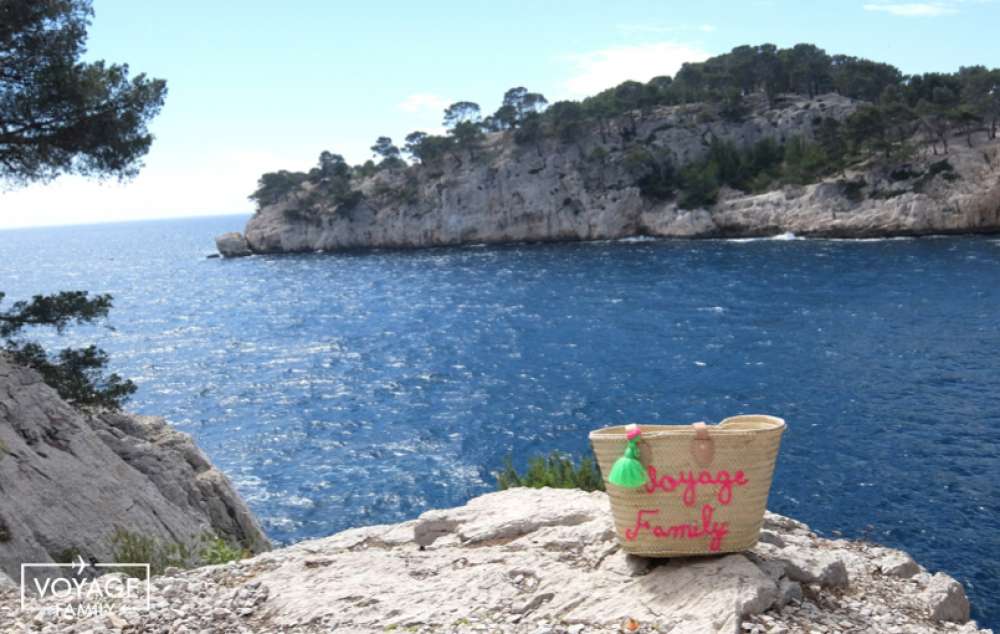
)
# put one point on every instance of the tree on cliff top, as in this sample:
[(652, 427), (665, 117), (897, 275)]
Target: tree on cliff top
[(390, 153), (61, 115), (58, 114)]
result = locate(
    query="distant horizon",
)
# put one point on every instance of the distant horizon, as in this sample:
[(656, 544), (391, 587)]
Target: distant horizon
[(118, 221), (264, 89)]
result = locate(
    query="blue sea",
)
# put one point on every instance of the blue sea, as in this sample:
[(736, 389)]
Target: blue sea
[(338, 390)]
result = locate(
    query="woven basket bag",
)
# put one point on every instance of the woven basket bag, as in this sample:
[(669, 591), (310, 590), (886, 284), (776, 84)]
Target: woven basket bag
[(706, 488)]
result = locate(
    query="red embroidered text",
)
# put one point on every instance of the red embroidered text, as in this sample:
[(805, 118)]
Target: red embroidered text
[(716, 530), (691, 482)]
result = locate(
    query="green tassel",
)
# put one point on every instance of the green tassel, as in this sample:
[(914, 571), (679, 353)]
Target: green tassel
[(627, 471)]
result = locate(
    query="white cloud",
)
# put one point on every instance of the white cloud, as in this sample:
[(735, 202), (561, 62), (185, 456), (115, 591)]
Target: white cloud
[(914, 9), (424, 101), (608, 67)]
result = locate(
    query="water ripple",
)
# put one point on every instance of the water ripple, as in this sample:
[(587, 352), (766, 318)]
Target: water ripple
[(339, 390)]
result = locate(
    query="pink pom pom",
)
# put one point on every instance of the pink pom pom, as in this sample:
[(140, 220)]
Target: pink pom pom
[(632, 431)]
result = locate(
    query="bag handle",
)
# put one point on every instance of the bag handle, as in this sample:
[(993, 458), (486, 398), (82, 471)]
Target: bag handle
[(702, 446)]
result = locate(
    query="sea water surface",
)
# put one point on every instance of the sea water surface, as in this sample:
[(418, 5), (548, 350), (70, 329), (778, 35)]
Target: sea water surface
[(345, 389)]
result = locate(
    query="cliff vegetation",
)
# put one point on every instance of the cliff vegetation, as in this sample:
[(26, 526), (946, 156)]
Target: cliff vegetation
[(894, 115)]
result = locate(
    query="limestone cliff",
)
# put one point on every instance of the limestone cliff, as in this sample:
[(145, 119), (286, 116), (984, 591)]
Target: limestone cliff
[(585, 190), (538, 561), (69, 479)]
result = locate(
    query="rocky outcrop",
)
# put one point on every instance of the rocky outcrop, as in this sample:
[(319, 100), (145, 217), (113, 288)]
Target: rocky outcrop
[(586, 190), (232, 245), (539, 561), (69, 480)]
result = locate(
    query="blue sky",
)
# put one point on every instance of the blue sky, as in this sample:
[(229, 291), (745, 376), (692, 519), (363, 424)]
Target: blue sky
[(259, 86)]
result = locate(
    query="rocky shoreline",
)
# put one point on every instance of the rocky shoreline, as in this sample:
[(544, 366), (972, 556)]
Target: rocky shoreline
[(585, 191), (538, 561)]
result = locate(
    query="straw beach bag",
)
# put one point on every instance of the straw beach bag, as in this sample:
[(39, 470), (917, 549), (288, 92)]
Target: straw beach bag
[(679, 490)]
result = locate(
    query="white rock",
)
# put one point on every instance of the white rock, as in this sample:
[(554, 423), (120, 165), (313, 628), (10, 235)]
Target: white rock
[(898, 564), (946, 600), (232, 245), (807, 565)]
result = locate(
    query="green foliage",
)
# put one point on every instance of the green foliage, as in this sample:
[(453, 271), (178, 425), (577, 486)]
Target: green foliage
[(598, 155), (653, 173), (756, 168), (57, 310), (274, 186), (76, 374), (133, 548), (426, 148), (216, 550), (461, 112), (518, 104), (699, 185), (897, 107), (67, 555), (330, 181), (405, 192), (804, 162), (60, 114), (390, 153), (468, 136), (556, 470), (529, 130), (565, 120)]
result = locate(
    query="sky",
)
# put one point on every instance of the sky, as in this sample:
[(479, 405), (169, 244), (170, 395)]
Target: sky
[(262, 86)]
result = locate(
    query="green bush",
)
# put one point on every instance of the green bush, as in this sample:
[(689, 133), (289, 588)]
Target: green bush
[(556, 471), (132, 548), (654, 174), (699, 185), (216, 550), (753, 169)]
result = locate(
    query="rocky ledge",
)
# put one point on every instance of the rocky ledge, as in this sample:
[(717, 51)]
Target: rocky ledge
[(69, 480), (540, 561)]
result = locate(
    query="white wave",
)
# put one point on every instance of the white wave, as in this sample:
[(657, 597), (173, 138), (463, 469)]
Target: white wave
[(788, 235), (638, 239)]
